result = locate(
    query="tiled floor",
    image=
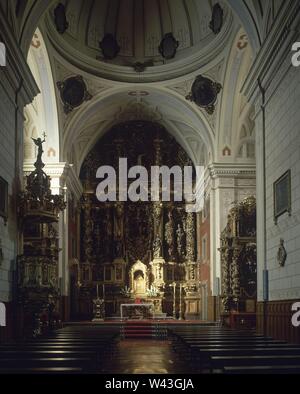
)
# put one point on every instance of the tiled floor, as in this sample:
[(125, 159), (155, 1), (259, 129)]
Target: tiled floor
[(145, 356)]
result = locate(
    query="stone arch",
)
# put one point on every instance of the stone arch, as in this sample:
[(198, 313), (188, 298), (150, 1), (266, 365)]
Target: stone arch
[(188, 126)]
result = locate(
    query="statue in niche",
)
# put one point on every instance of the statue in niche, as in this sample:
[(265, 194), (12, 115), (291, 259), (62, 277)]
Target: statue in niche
[(119, 221), (107, 234), (108, 225), (32, 274), (45, 274), (157, 247), (281, 254), (180, 240), (119, 252), (139, 284), (119, 230)]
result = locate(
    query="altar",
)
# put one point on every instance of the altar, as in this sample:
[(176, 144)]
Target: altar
[(137, 311)]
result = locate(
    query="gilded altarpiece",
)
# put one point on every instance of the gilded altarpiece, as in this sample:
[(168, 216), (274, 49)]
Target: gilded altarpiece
[(137, 250)]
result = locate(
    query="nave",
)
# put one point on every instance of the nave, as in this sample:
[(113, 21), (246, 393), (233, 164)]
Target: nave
[(205, 252), (186, 349)]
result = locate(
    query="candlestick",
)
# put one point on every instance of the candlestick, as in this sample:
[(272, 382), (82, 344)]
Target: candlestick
[(97, 290), (180, 302), (78, 273)]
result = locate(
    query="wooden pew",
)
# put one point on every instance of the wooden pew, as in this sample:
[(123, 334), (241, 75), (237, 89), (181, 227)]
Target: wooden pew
[(62, 352), (263, 369), (220, 362), (43, 371)]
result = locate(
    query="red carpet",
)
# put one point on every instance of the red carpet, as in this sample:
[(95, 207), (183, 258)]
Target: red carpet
[(141, 329)]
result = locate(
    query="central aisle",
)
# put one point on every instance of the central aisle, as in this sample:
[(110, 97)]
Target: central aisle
[(137, 356)]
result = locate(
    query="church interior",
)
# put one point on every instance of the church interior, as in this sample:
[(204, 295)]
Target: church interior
[(92, 286)]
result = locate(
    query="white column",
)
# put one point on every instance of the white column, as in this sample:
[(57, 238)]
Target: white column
[(228, 183)]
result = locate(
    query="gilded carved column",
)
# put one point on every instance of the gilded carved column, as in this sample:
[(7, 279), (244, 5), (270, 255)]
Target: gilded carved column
[(225, 263), (88, 228), (119, 230), (169, 236), (190, 236), (158, 262), (235, 274), (158, 220)]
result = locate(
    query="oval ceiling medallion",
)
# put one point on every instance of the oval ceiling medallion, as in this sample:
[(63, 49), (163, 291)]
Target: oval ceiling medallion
[(73, 92), (109, 46), (60, 18), (217, 19), (168, 46), (205, 93)]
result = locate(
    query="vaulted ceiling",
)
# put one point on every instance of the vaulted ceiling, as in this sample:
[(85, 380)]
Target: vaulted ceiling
[(121, 93), (139, 27), (256, 16)]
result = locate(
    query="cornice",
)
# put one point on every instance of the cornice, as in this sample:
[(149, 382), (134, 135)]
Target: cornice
[(217, 170)]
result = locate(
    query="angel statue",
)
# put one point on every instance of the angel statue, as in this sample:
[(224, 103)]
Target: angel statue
[(39, 143)]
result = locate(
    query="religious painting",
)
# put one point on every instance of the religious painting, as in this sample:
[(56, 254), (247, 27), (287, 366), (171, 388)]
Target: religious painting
[(282, 195), (3, 199)]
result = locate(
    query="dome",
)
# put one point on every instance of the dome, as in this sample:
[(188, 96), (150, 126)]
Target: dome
[(138, 26)]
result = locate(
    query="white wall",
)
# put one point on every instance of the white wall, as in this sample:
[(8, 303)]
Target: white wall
[(282, 154), (17, 89), (281, 84), (8, 234)]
